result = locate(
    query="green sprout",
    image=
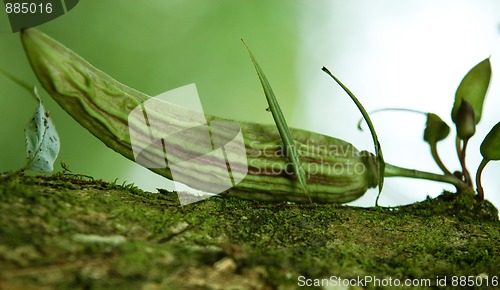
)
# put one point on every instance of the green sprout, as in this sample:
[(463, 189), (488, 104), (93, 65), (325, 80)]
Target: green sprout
[(466, 114)]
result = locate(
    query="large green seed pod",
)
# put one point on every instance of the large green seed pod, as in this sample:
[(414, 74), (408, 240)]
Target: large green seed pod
[(336, 172)]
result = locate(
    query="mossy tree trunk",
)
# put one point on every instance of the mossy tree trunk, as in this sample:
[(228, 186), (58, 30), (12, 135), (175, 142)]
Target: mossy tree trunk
[(70, 232)]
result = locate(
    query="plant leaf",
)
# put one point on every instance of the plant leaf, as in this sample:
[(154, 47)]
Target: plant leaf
[(376, 143), (473, 89), (435, 129), (490, 148), (42, 141), (279, 119)]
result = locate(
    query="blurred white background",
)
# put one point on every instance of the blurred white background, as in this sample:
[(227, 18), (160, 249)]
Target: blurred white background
[(408, 54)]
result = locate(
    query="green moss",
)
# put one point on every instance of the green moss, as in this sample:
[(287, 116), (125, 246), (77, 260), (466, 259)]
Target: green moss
[(68, 232)]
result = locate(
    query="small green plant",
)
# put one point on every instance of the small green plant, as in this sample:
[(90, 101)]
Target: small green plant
[(466, 114)]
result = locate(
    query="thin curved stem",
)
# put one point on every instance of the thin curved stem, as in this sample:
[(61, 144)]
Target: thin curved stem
[(465, 172), (436, 157), (480, 190), (390, 109), (18, 82), (458, 147)]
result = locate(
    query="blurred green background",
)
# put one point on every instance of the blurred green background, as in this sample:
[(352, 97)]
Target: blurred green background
[(156, 46)]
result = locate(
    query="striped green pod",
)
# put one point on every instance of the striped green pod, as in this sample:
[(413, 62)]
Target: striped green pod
[(336, 171)]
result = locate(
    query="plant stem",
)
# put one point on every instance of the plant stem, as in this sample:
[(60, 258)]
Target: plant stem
[(458, 147), (18, 82), (436, 157), (480, 190), (396, 171), (465, 172), (390, 109)]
